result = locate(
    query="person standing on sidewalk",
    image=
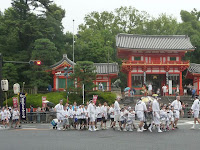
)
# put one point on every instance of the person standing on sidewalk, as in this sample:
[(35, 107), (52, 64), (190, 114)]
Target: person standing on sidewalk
[(195, 109)]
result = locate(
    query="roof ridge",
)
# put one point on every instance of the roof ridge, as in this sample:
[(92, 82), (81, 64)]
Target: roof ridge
[(143, 35)]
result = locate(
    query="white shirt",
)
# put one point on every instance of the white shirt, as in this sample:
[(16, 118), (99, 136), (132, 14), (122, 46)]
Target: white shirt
[(91, 109), (15, 115), (177, 105), (155, 106), (116, 108), (150, 87), (195, 105), (104, 110), (131, 115), (164, 88), (111, 112), (71, 113), (140, 106), (64, 113), (59, 107)]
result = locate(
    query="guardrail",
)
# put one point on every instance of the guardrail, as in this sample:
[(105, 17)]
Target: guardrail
[(40, 117)]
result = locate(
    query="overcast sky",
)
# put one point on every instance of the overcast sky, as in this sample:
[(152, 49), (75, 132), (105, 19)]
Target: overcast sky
[(77, 9)]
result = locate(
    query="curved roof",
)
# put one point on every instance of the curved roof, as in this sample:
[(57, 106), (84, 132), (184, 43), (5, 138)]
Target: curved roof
[(154, 42), (194, 68)]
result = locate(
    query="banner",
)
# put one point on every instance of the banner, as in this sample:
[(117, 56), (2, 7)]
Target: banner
[(170, 87), (95, 98), (44, 98), (15, 104), (22, 102)]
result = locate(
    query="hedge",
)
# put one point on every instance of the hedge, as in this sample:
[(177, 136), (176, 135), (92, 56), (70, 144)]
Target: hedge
[(54, 97)]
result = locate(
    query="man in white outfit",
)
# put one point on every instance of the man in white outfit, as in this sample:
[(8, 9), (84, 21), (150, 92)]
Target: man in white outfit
[(156, 114), (116, 113), (91, 115), (59, 108), (195, 109), (140, 108), (177, 108)]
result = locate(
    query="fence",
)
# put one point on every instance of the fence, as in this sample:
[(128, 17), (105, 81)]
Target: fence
[(40, 117)]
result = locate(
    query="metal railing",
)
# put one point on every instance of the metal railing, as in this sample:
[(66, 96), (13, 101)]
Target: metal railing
[(40, 117)]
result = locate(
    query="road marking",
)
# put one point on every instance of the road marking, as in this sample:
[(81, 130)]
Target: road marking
[(30, 129)]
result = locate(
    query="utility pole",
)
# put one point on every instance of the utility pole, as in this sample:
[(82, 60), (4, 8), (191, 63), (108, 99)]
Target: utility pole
[(73, 46), (1, 96)]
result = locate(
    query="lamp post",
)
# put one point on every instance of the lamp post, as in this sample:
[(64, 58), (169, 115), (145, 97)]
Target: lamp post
[(67, 70)]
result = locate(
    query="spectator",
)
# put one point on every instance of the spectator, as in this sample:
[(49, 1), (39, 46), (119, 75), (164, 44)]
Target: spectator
[(149, 89), (185, 90), (164, 88), (193, 93), (31, 113)]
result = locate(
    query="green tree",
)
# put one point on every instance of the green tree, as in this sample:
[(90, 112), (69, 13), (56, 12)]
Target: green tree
[(84, 73)]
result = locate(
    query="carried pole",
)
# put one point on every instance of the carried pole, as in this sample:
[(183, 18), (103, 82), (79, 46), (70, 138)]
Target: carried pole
[(83, 94)]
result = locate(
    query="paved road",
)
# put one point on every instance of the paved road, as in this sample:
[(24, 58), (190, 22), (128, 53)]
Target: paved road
[(42, 137)]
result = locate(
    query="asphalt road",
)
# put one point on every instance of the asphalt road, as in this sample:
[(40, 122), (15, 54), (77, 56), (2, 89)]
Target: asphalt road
[(42, 137)]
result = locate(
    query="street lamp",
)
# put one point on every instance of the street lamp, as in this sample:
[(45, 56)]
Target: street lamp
[(67, 70)]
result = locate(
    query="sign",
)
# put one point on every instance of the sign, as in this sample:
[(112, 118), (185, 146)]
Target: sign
[(170, 87), (4, 85), (167, 78), (15, 103), (44, 98), (22, 102), (95, 98), (16, 88)]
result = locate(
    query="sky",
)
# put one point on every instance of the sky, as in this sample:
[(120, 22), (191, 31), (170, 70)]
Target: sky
[(77, 9)]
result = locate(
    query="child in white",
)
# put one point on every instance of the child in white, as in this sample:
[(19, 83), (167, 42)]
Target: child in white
[(15, 117), (130, 121), (163, 117)]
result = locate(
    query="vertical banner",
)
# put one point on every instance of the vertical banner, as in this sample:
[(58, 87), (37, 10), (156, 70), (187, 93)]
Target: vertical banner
[(15, 104), (145, 77), (95, 98), (167, 78), (22, 101), (170, 87), (44, 98)]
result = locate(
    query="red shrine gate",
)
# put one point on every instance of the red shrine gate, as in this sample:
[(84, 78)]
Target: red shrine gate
[(154, 59)]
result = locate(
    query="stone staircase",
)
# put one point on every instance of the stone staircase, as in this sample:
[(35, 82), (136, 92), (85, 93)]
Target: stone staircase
[(131, 101)]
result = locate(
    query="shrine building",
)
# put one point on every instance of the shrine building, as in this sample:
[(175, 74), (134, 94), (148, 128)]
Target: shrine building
[(105, 72), (154, 59), (193, 73)]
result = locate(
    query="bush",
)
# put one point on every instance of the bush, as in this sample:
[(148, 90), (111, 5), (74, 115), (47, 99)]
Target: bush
[(54, 97)]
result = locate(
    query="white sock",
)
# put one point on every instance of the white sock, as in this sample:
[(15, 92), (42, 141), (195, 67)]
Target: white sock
[(89, 126), (93, 127)]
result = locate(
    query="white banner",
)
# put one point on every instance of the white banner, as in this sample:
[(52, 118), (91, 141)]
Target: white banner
[(170, 87)]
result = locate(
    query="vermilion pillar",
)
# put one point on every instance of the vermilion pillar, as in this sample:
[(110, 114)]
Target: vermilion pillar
[(129, 80), (180, 85)]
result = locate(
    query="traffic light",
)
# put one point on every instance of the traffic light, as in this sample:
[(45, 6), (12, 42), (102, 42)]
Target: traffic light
[(35, 62), (38, 62)]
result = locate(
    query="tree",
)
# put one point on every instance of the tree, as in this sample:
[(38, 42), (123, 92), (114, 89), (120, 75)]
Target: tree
[(85, 74), (45, 51)]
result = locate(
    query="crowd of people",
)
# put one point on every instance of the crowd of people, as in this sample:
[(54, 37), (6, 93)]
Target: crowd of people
[(150, 115), (143, 116), (9, 117)]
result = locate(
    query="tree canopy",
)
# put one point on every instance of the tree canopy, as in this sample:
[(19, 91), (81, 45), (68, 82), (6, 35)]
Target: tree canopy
[(32, 29)]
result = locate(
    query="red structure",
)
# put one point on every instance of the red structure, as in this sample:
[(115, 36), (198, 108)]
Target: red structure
[(193, 73), (105, 72), (154, 59)]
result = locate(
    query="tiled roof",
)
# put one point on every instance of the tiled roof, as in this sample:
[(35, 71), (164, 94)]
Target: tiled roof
[(154, 42), (102, 68), (194, 68), (63, 60)]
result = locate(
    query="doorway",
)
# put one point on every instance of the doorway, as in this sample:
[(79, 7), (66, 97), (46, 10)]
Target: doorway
[(157, 81)]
